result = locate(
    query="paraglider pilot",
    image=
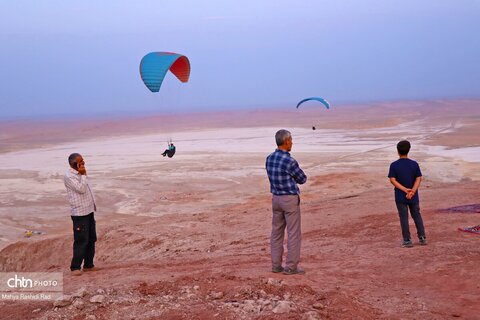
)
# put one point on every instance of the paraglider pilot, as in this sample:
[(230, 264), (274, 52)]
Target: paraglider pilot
[(170, 151)]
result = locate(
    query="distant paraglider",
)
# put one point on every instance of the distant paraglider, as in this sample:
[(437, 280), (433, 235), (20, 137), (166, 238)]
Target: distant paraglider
[(170, 151), (323, 101), (154, 67)]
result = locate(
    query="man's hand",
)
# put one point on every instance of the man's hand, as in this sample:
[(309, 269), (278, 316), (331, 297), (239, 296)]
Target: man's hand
[(81, 169), (410, 194)]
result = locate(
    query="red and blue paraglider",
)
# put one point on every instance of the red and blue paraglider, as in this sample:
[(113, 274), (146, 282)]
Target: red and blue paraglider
[(154, 67)]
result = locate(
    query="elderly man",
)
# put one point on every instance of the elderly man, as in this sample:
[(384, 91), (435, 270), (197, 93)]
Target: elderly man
[(284, 173), (82, 206)]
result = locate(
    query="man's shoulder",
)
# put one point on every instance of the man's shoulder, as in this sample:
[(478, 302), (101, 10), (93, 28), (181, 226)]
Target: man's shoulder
[(395, 162), (413, 161), (394, 167), (277, 154), (401, 161), (70, 173), (273, 154)]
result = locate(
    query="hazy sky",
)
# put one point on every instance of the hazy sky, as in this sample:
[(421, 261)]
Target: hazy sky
[(71, 58)]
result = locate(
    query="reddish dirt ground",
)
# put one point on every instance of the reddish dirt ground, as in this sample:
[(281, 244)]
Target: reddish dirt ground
[(355, 265)]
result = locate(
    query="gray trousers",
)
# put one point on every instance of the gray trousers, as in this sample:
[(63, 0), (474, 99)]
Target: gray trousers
[(286, 213)]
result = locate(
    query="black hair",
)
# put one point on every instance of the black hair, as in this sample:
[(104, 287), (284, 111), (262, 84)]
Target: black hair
[(72, 159), (403, 147)]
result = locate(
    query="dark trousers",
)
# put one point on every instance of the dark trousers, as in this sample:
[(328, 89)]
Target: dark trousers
[(416, 216), (168, 153), (84, 237)]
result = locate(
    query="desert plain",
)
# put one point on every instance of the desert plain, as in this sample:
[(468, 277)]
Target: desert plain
[(188, 237)]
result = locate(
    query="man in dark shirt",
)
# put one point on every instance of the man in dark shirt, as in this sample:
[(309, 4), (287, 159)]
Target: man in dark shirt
[(284, 173), (406, 176)]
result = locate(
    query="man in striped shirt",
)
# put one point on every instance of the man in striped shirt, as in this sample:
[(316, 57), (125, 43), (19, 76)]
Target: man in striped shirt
[(284, 174), (82, 207)]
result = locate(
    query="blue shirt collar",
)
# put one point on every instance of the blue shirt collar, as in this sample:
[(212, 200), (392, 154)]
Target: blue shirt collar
[(280, 150)]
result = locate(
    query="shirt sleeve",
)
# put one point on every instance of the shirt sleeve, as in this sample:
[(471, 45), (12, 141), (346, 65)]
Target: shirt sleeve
[(297, 174), (80, 187), (391, 172), (418, 173)]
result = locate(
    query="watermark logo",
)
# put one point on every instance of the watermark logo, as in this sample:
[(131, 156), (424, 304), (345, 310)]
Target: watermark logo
[(31, 285)]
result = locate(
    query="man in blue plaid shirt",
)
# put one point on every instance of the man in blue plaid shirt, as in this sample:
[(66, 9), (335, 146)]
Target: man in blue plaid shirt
[(284, 174)]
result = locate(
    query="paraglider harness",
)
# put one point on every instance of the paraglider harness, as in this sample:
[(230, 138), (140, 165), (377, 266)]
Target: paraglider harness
[(170, 151)]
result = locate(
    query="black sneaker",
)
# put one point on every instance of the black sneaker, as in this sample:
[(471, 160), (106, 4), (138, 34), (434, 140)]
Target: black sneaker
[(422, 241), (293, 271), (407, 244), (277, 269)]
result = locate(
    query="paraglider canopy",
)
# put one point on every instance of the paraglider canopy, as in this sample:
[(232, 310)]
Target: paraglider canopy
[(154, 67), (323, 101)]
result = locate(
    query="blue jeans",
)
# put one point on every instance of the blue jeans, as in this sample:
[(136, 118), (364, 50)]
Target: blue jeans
[(417, 218)]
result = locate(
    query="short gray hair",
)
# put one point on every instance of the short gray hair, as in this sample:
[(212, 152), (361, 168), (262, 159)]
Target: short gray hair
[(72, 158), (281, 136)]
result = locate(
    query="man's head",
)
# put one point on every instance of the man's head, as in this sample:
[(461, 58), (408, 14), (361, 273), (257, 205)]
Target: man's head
[(403, 147), (284, 140), (75, 160)]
